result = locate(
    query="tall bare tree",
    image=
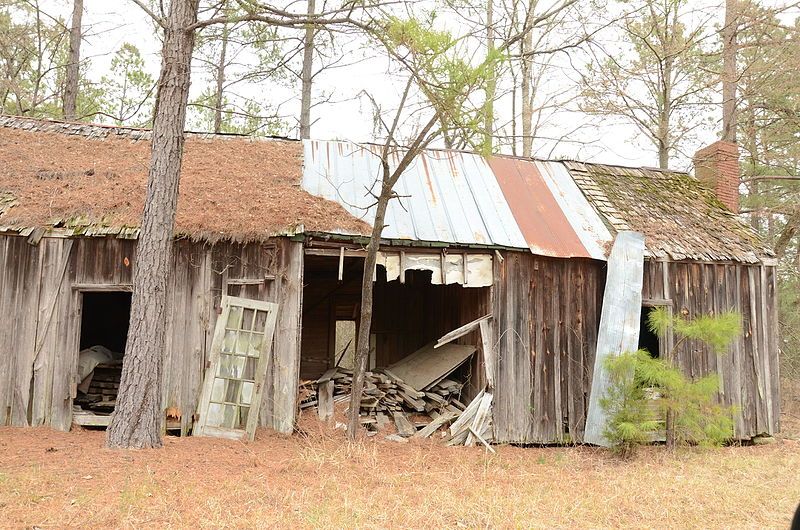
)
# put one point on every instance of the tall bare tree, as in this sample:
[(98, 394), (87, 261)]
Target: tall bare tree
[(32, 50), (659, 78), (446, 81), (306, 75), (136, 422), (71, 78), (729, 71)]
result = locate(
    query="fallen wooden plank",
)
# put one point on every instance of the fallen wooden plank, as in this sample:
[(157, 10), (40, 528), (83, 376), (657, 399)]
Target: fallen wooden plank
[(434, 425), (325, 400), (619, 323), (481, 417), (487, 346), (404, 427), (460, 332), (481, 440), (427, 366), (88, 419), (467, 415)]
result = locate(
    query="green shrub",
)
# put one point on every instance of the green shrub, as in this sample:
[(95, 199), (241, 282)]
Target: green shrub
[(648, 397)]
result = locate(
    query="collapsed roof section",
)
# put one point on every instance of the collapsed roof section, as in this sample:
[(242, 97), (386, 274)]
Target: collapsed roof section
[(83, 179)]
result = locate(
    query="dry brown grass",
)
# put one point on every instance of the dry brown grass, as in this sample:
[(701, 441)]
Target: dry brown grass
[(53, 479)]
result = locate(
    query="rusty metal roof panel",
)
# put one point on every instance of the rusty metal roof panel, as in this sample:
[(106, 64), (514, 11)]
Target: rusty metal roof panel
[(582, 216), (444, 196), (552, 213)]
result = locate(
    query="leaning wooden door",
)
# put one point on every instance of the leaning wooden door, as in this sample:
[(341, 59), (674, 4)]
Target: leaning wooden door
[(235, 378)]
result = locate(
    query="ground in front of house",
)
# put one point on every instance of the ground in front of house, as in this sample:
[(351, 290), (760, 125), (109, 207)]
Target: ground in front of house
[(53, 479)]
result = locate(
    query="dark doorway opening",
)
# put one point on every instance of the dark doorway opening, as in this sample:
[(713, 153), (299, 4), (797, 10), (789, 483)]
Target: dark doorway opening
[(105, 320), (104, 331), (647, 339)]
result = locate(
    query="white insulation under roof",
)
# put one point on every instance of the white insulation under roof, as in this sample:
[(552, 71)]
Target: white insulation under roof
[(444, 196)]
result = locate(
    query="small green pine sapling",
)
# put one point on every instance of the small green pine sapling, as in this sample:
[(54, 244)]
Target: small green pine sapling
[(644, 389)]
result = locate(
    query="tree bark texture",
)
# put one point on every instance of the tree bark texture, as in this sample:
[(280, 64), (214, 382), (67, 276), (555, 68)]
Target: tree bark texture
[(306, 76), (665, 115), (137, 419), (729, 73), (491, 82), (525, 96), (365, 319), (70, 97), (389, 178), (219, 93)]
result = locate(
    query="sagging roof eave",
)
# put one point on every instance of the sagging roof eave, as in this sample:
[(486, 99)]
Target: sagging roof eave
[(35, 234)]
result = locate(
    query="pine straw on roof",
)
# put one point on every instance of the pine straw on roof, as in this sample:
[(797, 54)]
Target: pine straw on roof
[(679, 217), (236, 188)]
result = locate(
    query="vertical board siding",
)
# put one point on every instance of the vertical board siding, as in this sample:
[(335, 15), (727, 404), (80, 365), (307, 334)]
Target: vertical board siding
[(748, 371), (545, 329), (547, 313), (547, 317), (20, 268), (39, 346)]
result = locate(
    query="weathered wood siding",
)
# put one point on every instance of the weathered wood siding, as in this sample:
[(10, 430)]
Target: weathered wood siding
[(546, 318), (40, 286), (749, 376)]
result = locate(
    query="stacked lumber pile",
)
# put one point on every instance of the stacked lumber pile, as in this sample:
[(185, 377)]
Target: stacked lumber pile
[(388, 398), (384, 392), (101, 395)]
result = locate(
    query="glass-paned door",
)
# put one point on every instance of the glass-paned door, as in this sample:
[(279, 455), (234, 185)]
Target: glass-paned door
[(234, 381)]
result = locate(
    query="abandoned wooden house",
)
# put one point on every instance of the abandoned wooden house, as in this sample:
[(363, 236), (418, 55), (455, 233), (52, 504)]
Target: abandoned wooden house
[(279, 221)]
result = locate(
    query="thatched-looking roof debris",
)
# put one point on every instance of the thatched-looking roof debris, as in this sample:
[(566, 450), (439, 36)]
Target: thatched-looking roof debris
[(90, 179)]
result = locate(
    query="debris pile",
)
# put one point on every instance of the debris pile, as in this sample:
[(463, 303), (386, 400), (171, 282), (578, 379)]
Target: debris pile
[(415, 413)]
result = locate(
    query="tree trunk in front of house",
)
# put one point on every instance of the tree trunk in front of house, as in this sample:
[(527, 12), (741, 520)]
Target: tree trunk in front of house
[(665, 115), (137, 418), (306, 76), (365, 321), (70, 97)]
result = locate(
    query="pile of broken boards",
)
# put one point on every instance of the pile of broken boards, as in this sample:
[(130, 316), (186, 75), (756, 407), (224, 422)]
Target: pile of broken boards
[(415, 413), (99, 371)]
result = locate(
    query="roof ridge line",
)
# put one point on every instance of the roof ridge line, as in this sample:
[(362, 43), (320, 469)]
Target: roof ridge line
[(11, 121)]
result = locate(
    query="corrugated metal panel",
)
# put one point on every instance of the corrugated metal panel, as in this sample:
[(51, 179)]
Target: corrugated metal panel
[(445, 196), (554, 216), (583, 218)]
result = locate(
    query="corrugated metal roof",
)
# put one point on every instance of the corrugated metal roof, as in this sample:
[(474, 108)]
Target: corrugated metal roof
[(552, 213), (444, 196)]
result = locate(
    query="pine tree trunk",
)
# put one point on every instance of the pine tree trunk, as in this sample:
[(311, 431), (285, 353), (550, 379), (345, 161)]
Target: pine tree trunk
[(137, 419), (219, 93), (664, 116), (729, 74), (306, 77), (70, 97)]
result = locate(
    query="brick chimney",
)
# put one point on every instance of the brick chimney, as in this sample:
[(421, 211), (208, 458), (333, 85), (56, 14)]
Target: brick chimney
[(718, 167)]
